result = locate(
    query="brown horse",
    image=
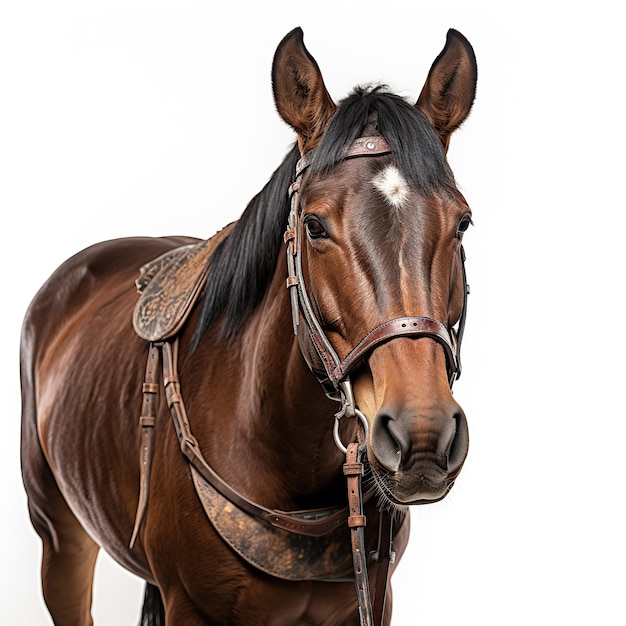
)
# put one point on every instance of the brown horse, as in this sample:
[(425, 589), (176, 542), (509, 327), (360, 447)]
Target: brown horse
[(376, 296)]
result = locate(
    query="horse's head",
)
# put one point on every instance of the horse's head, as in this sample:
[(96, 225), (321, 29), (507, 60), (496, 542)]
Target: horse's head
[(376, 237)]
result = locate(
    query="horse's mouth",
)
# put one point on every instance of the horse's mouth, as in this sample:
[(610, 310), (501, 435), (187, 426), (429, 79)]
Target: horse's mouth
[(393, 495)]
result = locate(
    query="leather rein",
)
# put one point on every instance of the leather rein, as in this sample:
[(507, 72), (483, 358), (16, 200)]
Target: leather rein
[(333, 374)]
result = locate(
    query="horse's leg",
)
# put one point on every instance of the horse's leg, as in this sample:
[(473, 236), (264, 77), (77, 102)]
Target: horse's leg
[(67, 571), (68, 560), (69, 554)]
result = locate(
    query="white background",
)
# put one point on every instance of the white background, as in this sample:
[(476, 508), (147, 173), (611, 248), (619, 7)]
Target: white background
[(156, 117)]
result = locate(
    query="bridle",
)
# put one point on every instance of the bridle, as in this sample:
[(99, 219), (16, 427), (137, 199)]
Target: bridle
[(333, 372)]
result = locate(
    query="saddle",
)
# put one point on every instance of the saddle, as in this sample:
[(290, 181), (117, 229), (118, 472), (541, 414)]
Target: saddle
[(170, 285)]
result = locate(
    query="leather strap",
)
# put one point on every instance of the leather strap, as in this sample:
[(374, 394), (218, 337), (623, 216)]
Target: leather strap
[(314, 523), (353, 470), (147, 420), (363, 146), (403, 326)]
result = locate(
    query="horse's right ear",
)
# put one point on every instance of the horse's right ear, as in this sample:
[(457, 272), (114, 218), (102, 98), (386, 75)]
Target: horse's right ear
[(299, 91)]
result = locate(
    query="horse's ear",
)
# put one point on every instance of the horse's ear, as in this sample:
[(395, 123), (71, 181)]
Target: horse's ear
[(449, 91), (299, 91)]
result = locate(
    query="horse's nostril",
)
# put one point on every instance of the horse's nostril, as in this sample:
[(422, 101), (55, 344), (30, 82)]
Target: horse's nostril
[(385, 445), (459, 443), (402, 438)]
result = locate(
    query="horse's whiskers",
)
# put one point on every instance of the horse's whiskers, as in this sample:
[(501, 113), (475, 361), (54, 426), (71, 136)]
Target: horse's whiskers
[(381, 483)]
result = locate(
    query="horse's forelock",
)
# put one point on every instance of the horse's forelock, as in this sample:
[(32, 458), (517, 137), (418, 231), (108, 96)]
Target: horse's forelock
[(416, 150)]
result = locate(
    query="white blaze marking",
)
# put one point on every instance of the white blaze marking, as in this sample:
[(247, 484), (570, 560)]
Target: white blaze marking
[(392, 186)]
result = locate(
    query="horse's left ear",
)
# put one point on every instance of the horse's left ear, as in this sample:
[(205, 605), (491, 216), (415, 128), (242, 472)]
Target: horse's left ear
[(299, 91), (449, 91)]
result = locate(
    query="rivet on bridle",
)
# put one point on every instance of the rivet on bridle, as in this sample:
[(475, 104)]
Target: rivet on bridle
[(370, 145)]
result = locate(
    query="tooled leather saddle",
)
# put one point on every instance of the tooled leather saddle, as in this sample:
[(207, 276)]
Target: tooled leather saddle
[(170, 285)]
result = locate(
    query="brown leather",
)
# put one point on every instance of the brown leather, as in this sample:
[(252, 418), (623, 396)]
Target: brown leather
[(402, 326), (170, 286), (374, 145), (286, 555), (353, 470), (313, 523), (318, 536), (147, 420)]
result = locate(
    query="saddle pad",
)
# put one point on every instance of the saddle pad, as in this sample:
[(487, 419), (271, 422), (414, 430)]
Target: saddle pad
[(170, 285)]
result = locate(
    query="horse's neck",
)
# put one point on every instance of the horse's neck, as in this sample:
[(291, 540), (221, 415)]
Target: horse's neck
[(279, 436)]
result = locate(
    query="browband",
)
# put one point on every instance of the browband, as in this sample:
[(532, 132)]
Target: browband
[(364, 146)]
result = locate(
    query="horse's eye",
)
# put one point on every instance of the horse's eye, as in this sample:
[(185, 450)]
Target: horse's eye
[(314, 227), (464, 224)]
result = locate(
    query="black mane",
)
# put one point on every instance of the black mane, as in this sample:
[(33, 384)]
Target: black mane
[(242, 266)]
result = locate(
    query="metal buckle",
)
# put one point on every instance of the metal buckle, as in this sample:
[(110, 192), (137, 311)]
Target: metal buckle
[(348, 409)]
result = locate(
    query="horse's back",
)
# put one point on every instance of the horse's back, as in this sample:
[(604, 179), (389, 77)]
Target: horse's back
[(88, 279), (81, 369)]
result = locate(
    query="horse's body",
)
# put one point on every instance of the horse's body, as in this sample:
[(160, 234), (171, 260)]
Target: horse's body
[(377, 245)]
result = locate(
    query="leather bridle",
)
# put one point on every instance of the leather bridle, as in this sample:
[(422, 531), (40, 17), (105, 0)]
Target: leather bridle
[(333, 372)]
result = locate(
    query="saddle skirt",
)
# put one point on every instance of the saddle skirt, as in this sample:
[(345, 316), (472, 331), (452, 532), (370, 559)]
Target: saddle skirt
[(170, 285)]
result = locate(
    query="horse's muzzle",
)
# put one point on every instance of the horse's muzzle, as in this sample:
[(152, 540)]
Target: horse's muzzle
[(417, 455)]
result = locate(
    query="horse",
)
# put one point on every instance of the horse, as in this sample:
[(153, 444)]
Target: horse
[(247, 434)]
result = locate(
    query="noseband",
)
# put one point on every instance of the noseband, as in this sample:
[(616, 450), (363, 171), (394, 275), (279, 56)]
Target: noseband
[(332, 371)]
